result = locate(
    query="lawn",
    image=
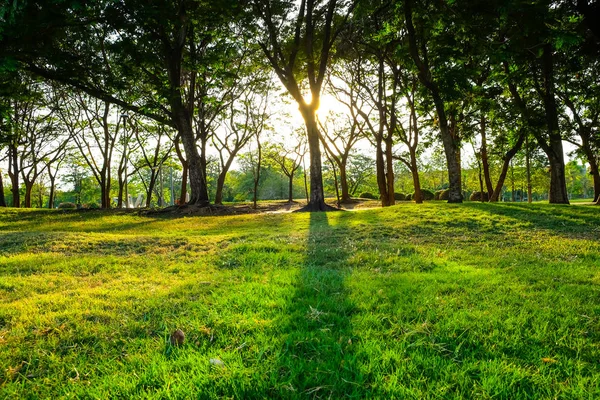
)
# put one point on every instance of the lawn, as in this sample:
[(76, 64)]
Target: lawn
[(429, 301)]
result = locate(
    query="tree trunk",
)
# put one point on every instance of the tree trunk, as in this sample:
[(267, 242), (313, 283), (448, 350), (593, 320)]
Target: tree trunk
[(14, 176), (257, 176), (344, 182), (28, 189), (389, 170), (591, 158), (182, 119), (380, 170), (150, 188), (558, 186), (450, 145), (452, 159), (198, 187), (52, 190), (507, 158), (528, 169), (221, 179), (121, 187), (484, 159), (414, 169), (104, 190), (291, 188), (2, 199), (596, 177), (317, 197), (184, 180)]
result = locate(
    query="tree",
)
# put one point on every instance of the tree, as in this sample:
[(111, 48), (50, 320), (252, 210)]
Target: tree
[(338, 142), (299, 50), (101, 47), (419, 42), (578, 88), (147, 135), (288, 160), (244, 122)]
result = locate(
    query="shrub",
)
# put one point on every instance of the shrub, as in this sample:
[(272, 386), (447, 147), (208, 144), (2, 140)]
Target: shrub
[(399, 196), (367, 195), (476, 196), (91, 206), (67, 206), (427, 194), (436, 195), (409, 197), (445, 194)]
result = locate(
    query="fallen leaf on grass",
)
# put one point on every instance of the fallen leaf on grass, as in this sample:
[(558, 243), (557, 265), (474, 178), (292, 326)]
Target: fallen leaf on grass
[(217, 362)]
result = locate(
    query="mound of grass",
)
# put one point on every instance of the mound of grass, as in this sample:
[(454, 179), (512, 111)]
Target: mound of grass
[(414, 301)]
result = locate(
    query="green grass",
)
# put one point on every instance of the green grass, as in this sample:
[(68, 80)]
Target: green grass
[(431, 301)]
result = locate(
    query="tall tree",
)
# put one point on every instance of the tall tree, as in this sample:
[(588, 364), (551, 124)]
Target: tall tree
[(298, 39), (101, 47)]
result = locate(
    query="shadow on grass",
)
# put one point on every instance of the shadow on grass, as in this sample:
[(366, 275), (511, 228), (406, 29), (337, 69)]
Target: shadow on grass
[(570, 220), (316, 359)]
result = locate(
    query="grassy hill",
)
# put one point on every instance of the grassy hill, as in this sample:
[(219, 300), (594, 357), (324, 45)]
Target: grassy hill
[(430, 301)]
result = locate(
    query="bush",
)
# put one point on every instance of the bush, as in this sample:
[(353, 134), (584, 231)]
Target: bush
[(409, 197), (67, 206), (399, 196), (436, 195), (367, 195), (90, 206), (445, 194), (476, 196), (427, 194)]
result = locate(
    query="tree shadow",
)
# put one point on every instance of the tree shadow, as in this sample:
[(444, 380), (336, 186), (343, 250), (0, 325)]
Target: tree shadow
[(316, 359), (578, 220)]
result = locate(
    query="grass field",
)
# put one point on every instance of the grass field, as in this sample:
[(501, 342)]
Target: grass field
[(431, 301)]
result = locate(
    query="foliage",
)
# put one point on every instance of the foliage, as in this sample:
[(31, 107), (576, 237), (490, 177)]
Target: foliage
[(67, 206), (367, 195), (477, 196), (399, 196), (427, 194), (444, 194)]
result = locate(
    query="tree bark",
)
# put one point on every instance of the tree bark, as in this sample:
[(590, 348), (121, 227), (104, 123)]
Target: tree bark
[(28, 189), (121, 187), (484, 159), (389, 169), (344, 182), (150, 188), (52, 191), (184, 181), (198, 187), (507, 158), (414, 169), (181, 116), (554, 150), (450, 146), (380, 170), (221, 180), (2, 199), (104, 190), (592, 160), (317, 197), (528, 169), (291, 188), (13, 174), (257, 175)]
